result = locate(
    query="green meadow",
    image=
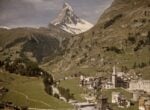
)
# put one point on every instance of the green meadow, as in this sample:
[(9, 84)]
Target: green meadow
[(25, 91)]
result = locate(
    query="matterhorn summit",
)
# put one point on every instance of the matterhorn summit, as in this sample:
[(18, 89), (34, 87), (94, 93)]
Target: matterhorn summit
[(68, 21)]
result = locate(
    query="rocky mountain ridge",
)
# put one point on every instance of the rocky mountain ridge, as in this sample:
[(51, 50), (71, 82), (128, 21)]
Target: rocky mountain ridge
[(38, 45), (70, 22)]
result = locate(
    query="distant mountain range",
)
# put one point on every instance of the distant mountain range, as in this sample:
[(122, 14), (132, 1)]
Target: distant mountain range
[(4, 27), (70, 22), (38, 45)]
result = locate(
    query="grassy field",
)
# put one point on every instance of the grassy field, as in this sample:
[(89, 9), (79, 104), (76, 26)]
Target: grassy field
[(30, 92), (73, 86)]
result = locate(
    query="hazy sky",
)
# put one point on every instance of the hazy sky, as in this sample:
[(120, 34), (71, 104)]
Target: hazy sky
[(41, 12)]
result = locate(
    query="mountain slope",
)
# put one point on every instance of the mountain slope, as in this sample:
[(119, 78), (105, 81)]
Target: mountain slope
[(68, 21), (35, 44), (121, 37)]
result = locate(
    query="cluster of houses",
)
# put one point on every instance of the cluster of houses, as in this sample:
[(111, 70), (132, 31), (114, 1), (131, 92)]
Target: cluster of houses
[(90, 82), (118, 79), (130, 82)]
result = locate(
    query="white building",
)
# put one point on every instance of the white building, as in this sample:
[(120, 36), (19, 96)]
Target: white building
[(140, 85), (114, 77), (107, 85), (115, 97)]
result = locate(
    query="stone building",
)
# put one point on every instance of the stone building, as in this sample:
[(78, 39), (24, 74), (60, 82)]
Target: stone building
[(140, 85), (102, 103)]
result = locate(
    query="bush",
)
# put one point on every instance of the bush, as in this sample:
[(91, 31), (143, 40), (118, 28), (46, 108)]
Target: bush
[(48, 89), (112, 21), (56, 95), (148, 39), (48, 82), (66, 93), (139, 45), (131, 39), (114, 49), (142, 65)]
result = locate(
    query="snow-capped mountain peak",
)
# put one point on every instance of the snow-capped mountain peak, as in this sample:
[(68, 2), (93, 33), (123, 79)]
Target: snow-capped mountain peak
[(70, 22), (4, 27), (67, 6)]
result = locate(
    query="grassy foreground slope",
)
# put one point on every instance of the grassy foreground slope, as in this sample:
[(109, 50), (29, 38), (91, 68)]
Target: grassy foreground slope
[(29, 92)]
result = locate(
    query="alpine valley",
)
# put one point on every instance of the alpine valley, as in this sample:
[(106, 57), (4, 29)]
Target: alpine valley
[(72, 64)]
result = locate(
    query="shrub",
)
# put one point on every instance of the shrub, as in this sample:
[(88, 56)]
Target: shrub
[(131, 39), (66, 93), (56, 95), (113, 20), (114, 49)]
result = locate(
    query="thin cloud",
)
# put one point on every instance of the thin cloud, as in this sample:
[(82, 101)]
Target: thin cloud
[(41, 12)]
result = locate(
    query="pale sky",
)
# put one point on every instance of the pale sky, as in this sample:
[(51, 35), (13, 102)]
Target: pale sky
[(34, 13)]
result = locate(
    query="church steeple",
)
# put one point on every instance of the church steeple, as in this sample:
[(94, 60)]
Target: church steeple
[(114, 76), (114, 70)]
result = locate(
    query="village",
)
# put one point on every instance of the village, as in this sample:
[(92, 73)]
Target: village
[(96, 98), (131, 83)]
